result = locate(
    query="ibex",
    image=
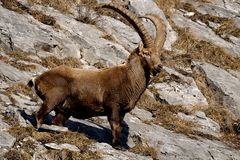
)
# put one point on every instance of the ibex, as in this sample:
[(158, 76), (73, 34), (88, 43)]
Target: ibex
[(111, 92)]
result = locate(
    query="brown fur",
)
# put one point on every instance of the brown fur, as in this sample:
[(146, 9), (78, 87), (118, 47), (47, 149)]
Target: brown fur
[(84, 93)]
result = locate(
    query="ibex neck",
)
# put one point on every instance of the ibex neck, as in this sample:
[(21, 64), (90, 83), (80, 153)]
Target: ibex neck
[(138, 76), (138, 68)]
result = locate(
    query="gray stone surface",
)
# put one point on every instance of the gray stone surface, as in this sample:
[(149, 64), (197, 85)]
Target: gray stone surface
[(62, 146), (202, 32), (5, 99), (54, 128), (6, 140), (11, 74), (143, 7), (120, 32), (235, 73), (225, 84), (3, 126), (185, 92), (110, 153), (171, 146), (142, 114), (206, 125), (72, 39), (88, 40), (24, 102), (231, 5), (215, 8), (3, 84)]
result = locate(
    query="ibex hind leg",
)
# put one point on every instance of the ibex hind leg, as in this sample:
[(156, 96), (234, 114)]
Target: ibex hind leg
[(60, 118), (53, 98)]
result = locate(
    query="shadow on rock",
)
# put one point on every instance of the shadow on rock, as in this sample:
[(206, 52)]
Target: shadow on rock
[(92, 130), (98, 132)]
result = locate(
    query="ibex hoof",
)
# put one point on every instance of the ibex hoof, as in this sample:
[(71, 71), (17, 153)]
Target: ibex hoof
[(119, 147)]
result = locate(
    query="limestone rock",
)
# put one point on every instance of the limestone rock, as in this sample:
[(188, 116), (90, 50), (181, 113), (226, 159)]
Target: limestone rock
[(207, 125), (6, 140), (62, 146), (54, 128), (170, 145), (87, 40), (142, 7), (120, 32), (11, 74), (111, 153), (73, 38), (142, 114), (3, 126), (180, 93), (24, 102), (202, 32), (225, 84)]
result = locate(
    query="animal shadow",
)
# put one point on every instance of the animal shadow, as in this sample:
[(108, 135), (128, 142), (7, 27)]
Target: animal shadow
[(92, 130)]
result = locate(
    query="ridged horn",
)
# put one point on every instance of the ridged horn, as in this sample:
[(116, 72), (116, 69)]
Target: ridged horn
[(137, 24), (160, 30)]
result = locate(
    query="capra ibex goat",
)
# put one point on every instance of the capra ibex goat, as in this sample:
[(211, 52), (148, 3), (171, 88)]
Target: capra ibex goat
[(111, 92)]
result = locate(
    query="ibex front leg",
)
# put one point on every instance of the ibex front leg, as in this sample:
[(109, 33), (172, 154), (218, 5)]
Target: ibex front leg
[(115, 120)]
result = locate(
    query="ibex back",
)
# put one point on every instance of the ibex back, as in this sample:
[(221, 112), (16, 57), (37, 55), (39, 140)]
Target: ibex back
[(111, 92)]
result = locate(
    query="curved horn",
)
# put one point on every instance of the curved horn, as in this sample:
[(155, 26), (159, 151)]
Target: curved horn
[(160, 30), (145, 36)]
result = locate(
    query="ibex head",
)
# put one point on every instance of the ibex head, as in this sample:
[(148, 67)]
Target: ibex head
[(149, 49)]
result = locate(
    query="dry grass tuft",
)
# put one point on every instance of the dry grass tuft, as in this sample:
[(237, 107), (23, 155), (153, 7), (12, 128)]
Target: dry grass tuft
[(45, 19), (109, 37), (21, 132), (10, 118), (227, 26), (217, 111), (29, 147), (74, 138), (22, 66), (19, 88), (52, 61), (64, 5), (166, 115), (204, 51), (17, 155), (87, 19), (16, 6), (232, 139), (87, 15), (15, 56), (144, 151), (49, 62), (197, 49), (19, 55), (68, 155), (167, 7)]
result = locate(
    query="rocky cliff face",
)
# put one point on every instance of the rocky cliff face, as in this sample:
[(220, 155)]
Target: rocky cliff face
[(190, 111)]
